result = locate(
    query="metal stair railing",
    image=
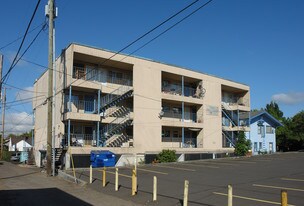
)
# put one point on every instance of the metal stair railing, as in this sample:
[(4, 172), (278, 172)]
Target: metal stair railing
[(115, 95), (229, 118), (229, 138)]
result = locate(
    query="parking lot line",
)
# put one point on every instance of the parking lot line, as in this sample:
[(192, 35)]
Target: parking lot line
[(177, 168), (263, 160), (276, 187), (292, 179), (152, 171), (199, 165), (221, 163), (251, 199), (123, 175), (244, 161)]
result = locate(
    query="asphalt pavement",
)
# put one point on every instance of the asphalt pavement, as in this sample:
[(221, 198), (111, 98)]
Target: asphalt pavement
[(29, 186), (255, 180)]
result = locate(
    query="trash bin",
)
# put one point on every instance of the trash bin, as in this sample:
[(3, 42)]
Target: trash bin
[(102, 158)]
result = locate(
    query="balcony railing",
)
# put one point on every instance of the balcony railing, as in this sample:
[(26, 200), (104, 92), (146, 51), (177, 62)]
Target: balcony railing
[(91, 74), (79, 140), (188, 142), (240, 101), (177, 90), (178, 115), (81, 106)]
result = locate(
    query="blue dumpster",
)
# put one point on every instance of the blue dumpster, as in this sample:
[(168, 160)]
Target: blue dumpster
[(102, 158)]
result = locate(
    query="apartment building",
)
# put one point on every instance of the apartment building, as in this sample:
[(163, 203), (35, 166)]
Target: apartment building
[(131, 105)]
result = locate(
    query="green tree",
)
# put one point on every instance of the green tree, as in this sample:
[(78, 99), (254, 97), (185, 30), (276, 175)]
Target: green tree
[(273, 109), (242, 145)]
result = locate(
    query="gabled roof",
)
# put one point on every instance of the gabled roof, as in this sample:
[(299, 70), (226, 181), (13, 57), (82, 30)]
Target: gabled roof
[(263, 115), (15, 140)]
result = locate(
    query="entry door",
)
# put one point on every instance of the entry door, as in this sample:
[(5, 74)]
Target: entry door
[(270, 147)]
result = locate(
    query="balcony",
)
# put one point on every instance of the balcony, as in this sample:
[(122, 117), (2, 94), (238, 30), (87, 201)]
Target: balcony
[(79, 140), (176, 89), (188, 116), (81, 110), (103, 76)]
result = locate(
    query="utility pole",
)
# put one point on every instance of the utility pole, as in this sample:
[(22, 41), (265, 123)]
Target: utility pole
[(50, 90), (3, 117)]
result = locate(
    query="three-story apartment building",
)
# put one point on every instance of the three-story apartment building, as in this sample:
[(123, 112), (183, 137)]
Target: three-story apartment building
[(132, 105)]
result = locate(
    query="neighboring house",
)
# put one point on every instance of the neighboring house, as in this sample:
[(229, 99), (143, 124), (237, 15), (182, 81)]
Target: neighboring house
[(19, 144), (131, 105), (263, 132)]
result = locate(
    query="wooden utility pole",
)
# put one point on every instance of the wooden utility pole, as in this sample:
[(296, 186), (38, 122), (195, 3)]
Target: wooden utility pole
[(3, 119), (50, 90)]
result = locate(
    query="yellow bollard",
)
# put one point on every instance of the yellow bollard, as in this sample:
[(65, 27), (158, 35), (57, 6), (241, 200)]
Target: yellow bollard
[(154, 188), (134, 182), (230, 195), (116, 179), (91, 174), (104, 177), (186, 190), (284, 198)]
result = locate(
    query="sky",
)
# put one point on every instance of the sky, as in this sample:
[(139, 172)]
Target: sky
[(256, 42)]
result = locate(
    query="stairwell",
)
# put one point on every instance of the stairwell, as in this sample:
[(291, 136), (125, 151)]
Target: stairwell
[(111, 134)]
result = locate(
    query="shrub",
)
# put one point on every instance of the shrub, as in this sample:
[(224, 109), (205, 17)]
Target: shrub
[(242, 145), (166, 156)]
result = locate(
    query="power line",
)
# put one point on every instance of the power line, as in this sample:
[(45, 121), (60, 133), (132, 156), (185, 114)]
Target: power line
[(165, 31), (133, 42), (8, 44), (6, 76), (23, 39)]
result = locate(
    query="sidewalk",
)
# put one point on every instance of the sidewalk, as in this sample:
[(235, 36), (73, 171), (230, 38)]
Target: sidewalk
[(29, 186)]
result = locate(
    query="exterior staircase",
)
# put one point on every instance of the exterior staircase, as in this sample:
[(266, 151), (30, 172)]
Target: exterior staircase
[(229, 117), (229, 138), (111, 134), (59, 153), (118, 140), (115, 97)]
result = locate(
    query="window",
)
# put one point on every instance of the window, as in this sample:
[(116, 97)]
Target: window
[(175, 134), (269, 130), (259, 130), (166, 133), (255, 147), (79, 72), (177, 110)]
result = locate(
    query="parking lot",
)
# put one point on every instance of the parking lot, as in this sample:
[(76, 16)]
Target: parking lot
[(256, 181)]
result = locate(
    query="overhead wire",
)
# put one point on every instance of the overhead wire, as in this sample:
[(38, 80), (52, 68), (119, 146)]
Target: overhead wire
[(18, 38), (133, 43), (6, 76), (22, 42)]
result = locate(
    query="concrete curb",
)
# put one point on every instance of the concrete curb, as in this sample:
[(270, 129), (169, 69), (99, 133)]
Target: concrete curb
[(70, 178)]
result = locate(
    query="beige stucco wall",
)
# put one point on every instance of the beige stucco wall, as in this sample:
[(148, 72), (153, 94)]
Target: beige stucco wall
[(147, 101)]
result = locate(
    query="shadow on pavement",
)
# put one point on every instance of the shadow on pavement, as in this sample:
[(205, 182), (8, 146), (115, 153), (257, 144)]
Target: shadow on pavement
[(48, 196)]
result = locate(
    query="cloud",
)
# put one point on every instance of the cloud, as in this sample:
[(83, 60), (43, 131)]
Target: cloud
[(18, 123), (25, 94), (290, 98)]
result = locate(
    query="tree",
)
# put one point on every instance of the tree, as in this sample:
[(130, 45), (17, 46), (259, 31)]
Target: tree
[(243, 145), (274, 110)]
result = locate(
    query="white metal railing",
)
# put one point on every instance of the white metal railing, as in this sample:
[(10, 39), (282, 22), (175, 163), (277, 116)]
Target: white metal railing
[(188, 142), (93, 74), (80, 140), (81, 105), (114, 95), (177, 90), (188, 116)]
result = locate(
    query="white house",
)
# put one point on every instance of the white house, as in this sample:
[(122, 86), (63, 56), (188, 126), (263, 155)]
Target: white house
[(19, 144)]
